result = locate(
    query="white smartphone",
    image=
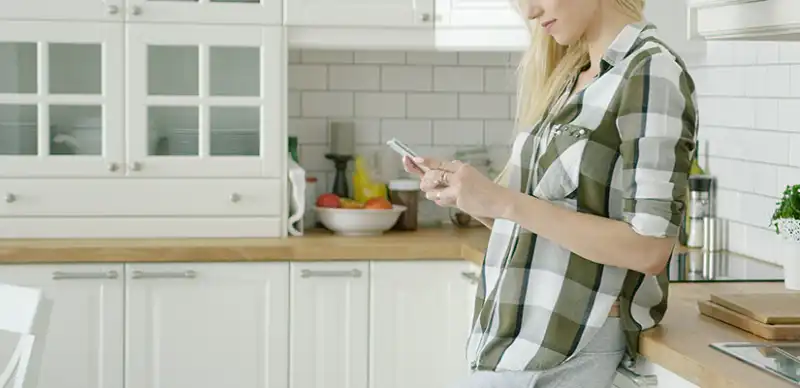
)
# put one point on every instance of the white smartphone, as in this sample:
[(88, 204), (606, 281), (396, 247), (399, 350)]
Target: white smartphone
[(402, 149)]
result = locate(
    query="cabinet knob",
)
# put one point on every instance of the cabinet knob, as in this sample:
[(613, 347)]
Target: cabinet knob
[(136, 10), (112, 9), (10, 197), (235, 197), (135, 166), (425, 17), (113, 167)]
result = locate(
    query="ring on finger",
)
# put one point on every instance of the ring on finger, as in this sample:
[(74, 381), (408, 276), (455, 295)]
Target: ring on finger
[(443, 178)]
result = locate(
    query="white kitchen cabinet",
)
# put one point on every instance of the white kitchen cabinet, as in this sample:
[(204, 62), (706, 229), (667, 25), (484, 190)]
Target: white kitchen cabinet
[(85, 10), (204, 101), (355, 13), (419, 314), (116, 102), (745, 19), (206, 325), (61, 99), (488, 25), (84, 344), (670, 16), (261, 12), (329, 337)]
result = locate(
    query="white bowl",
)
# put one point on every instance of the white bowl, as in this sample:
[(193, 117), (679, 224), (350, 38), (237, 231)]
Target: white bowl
[(359, 222)]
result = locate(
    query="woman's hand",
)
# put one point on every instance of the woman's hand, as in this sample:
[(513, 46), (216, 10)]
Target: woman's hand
[(460, 185)]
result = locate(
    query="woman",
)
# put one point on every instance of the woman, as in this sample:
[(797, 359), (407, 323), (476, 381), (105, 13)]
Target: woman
[(585, 215)]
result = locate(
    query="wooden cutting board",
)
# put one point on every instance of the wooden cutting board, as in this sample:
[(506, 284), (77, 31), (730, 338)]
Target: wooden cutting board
[(777, 332), (766, 308)]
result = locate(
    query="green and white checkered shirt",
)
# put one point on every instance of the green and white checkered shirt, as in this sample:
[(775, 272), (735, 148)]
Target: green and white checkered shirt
[(621, 149)]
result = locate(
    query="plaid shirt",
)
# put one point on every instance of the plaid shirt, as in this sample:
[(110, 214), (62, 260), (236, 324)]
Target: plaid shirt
[(621, 149)]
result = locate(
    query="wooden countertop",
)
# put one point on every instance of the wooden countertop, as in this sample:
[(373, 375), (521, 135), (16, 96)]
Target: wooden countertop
[(439, 243), (679, 344)]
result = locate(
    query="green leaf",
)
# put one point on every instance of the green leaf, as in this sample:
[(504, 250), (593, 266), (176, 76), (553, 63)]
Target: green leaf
[(788, 206)]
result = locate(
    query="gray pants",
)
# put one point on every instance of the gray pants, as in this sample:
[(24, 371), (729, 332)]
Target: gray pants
[(594, 367)]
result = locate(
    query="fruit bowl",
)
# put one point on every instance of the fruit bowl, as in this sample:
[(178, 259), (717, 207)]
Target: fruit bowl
[(359, 222)]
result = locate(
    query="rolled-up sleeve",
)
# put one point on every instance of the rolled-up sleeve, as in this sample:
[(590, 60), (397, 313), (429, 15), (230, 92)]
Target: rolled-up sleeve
[(657, 122)]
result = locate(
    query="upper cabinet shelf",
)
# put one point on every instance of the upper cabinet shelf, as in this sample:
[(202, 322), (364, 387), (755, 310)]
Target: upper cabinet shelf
[(745, 19), (260, 12)]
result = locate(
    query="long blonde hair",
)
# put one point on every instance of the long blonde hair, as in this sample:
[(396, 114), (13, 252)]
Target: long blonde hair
[(546, 67)]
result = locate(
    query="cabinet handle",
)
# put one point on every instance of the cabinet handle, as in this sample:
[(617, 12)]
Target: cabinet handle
[(10, 197), (354, 273), (626, 378), (135, 166), (235, 197), (112, 9), (473, 278), (113, 167), (425, 17), (136, 10), (188, 274), (59, 275)]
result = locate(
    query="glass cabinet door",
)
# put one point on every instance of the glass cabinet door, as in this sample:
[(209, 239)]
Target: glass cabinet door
[(205, 101), (262, 12), (99, 10), (61, 99)]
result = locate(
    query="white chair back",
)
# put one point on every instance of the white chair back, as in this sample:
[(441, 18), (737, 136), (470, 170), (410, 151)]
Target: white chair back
[(24, 311)]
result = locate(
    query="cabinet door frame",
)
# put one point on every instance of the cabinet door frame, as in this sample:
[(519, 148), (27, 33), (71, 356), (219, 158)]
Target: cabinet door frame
[(110, 37), (84, 10), (272, 134), (412, 14), (263, 12)]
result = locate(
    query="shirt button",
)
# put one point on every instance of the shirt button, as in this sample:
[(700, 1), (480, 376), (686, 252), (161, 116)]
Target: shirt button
[(473, 365)]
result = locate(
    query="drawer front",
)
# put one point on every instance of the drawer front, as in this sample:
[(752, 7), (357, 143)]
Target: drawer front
[(140, 197)]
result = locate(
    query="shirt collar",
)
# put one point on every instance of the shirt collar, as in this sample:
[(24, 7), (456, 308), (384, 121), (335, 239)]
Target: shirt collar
[(624, 42)]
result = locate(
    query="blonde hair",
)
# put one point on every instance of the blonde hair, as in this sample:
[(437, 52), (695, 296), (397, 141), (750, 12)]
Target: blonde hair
[(546, 67)]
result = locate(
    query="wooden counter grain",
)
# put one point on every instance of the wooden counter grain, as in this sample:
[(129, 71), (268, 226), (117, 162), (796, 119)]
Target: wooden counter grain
[(441, 244), (679, 344)]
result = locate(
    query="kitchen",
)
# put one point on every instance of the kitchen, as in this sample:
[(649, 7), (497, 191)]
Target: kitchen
[(162, 212)]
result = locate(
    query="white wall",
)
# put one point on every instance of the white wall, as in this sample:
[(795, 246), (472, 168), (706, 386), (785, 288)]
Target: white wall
[(749, 102), (750, 115)]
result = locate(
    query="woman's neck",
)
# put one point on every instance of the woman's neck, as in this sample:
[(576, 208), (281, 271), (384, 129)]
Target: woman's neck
[(608, 24)]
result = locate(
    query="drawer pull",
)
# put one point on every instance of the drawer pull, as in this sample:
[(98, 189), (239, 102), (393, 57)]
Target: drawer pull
[(10, 198), (473, 278), (235, 197), (135, 166), (59, 275), (354, 273), (188, 274)]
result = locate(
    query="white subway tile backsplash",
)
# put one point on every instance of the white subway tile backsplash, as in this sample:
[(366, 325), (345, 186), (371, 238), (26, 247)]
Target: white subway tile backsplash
[(483, 59), (498, 132), (293, 103), (767, 114), (432, 105), (794, 150), (411, 78), (789, 115), (380, 57), (431, 58), (368, 131), (412, 132), (309, 131), (326, 56), (764, 178), (354, 77), (312, 157), (483, 106), (380, 105), (308, 77), (458, 79), (779, 80), (795, 80), (500, 80), (327, 104), (458, 132), (768, 52), (790, 52)]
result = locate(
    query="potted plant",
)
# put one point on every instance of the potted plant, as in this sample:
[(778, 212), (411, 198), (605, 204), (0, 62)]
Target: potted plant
[(786, 220)]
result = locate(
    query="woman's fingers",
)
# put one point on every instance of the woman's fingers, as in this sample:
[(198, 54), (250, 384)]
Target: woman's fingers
[(411, 167)]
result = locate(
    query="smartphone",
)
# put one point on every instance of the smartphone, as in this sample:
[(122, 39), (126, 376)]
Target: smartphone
[(402, 149)]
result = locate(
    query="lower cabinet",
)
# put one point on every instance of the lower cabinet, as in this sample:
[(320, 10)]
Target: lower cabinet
[(335, 324), (206, 325)]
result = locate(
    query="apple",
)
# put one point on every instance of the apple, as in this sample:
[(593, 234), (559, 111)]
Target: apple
[(378, 203), (328, 200)]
